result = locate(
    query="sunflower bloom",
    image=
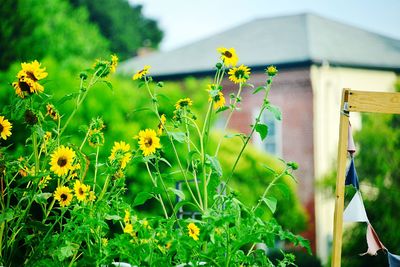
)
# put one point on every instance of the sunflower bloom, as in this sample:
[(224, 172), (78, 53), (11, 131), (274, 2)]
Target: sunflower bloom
[(148, 142), (228, 56), (219, 100), (140, 74), (61, 160), (184, 102), (81, 190), (239, 74), (114, 63), (271, 71), (160, 127), (127, 216), (128, 229), (28, 78), (194, 231), (5, 128), (121, 153), (63, 195)]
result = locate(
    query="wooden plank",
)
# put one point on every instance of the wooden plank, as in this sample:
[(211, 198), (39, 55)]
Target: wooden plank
[(375, 102), (340, 180)]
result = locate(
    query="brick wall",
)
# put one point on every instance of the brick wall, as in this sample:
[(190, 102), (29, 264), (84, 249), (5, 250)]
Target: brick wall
[(292, 92)]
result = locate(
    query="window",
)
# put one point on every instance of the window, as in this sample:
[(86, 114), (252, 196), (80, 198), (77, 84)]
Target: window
[(273, 142)]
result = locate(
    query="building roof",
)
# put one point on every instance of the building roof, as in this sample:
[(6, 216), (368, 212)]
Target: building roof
[(288, 40)]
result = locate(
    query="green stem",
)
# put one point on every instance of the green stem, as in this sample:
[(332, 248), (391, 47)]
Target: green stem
[(107, 181), (95, 169), (229, 118), (158, 197), (35, 150)]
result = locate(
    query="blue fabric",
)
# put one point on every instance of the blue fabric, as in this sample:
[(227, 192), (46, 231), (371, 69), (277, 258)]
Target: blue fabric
[(351, 176), (394, 260)]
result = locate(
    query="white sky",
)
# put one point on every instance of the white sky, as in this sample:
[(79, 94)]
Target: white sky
[(185, 21)]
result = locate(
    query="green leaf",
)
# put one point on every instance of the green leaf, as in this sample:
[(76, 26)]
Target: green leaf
[(112, 217), (67, 97), (271, 203), (180, 204), (177, 192), (166, 162), (6, 215), (262, 129), (178, 136), (276, 111), (109, 85), (141, 198), (215, 165), (258, 89), (222, 109), (41, 198)]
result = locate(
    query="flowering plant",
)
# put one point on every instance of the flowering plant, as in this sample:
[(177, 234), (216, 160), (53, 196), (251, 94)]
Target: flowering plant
[(64, 206)]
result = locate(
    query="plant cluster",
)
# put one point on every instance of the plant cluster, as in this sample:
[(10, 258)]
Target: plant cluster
[(63, 206)]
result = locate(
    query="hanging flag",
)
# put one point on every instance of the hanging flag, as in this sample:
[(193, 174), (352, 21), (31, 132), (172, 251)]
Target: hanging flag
[(374, 244), (355, 211), (351, 176), (394, 260), (351, 148)]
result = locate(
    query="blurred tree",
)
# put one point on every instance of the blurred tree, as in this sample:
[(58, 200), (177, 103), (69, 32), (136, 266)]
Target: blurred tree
[(377, 164), (33, 29), (123, 25)]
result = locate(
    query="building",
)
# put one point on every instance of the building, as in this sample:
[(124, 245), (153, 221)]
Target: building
[(316, 58)]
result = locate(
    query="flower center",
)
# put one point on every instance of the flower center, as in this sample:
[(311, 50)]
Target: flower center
[(63, 197), (1, 127), (62, 161), (239, 74), (148, 141), (227, 54), (24, 86), (80, 191)]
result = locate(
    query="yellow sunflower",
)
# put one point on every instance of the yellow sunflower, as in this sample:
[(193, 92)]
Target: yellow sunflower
[(81, 190), (127, 217), (28, 78), (228, 56), (271, 70), (140, 74), (114, 63), (128, 228), (121, 153), (148, 142), (194, 231), (239, 74), (219, 100), (184, 102), (61, 160), (161, 125), (5, 128), (92, 196), (63, 195)]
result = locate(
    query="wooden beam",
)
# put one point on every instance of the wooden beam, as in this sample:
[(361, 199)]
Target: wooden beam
[(375, 102), (340, 180)]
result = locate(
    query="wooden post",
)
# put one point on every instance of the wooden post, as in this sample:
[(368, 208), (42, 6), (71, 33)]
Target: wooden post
[(340, 180), (354, 101)]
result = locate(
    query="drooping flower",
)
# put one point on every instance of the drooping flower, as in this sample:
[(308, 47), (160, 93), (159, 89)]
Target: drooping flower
[(161, 125), (127, 217), (95, 138), (239, 74), (44, 181), (61, 160), (63, 195), (52, 112), (219, 100), (114, 63), (5, 128), (140, 74), (228, 56), (148, 142), (121, 153), (81, 190), (194, 231), (184, 102), (28, 79)]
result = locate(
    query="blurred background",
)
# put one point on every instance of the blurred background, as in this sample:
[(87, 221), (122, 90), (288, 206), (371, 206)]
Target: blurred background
[(319, 48)]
